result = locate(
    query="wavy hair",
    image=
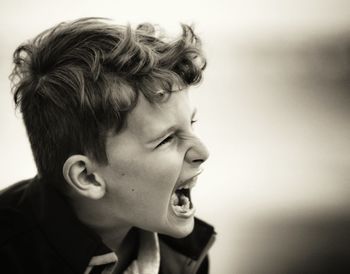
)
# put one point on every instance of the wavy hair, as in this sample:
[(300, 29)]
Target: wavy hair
[(78, 80)]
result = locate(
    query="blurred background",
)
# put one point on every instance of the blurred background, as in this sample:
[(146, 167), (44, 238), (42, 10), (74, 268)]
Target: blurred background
[(274, 111)]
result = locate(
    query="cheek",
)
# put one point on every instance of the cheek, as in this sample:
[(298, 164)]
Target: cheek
[(145, 179), (156, 177), (153, 167)]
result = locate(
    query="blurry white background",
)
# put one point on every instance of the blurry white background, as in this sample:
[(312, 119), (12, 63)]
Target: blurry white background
[(273, 108)]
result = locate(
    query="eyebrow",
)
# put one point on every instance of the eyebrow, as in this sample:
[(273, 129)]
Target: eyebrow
[(168, 130)]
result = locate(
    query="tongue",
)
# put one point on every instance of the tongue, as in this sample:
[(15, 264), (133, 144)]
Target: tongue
[(185, 203), (181, 201), (175, 199)]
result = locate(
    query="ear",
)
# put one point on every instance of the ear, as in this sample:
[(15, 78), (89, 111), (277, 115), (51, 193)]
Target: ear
[(78, 171)]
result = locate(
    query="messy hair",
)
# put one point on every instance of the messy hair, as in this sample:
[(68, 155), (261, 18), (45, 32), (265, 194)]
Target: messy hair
[(77, 81)]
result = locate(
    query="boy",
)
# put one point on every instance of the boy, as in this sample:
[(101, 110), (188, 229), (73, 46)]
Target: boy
[(109, 120)]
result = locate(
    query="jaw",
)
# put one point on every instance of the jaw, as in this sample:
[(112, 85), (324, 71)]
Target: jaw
[(178, 227)]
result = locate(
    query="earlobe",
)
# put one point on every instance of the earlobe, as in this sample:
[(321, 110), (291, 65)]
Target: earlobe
[(78, 171)]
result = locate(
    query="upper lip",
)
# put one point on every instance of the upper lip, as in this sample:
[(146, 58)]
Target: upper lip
[(189, 180)]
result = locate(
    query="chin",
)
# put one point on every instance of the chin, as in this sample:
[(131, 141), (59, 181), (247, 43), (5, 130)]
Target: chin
[(181, 229)]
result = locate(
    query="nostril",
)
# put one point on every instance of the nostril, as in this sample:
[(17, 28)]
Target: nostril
[(198, 161), (197, 153)]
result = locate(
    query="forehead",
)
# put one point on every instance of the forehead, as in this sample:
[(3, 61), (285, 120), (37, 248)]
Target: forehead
[(147, 118)]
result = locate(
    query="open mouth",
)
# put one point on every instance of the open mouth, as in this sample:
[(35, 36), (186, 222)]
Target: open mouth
[(181, 200)]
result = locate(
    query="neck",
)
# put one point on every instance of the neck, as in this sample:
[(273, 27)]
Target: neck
[(114, 238), (118, 236), (113, 233)]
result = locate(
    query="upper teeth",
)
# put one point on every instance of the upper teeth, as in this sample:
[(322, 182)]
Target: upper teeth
[(187, 186)]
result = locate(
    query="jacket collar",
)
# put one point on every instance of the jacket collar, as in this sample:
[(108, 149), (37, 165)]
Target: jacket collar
[(193, 245), (72, 240), (187, 255), (76, 243)]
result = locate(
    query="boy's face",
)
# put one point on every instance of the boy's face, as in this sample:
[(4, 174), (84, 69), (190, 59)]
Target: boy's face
[(153, 157)]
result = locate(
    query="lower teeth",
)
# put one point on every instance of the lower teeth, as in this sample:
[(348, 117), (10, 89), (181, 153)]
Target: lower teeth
[(185, 202)]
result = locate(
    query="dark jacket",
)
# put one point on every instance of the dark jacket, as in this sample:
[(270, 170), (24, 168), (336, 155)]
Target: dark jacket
[(39, 233)]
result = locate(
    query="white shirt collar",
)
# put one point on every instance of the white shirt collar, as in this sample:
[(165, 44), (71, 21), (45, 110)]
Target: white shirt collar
[(147, 262), (148, 258)]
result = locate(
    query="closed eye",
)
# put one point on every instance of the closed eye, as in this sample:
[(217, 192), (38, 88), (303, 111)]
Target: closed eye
[(166, 140)]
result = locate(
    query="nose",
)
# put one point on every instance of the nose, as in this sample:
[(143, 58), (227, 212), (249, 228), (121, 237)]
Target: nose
[(197, 153)]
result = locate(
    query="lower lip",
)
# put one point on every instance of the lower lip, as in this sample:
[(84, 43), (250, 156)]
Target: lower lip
[(188, 214)]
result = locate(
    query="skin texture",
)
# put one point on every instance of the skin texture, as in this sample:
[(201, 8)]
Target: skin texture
[(143, 171)]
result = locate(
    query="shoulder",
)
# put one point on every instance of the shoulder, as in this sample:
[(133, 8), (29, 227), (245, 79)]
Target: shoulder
[(11, 196), (24, 247), (12, 216), (15, 228), (13, 221)]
